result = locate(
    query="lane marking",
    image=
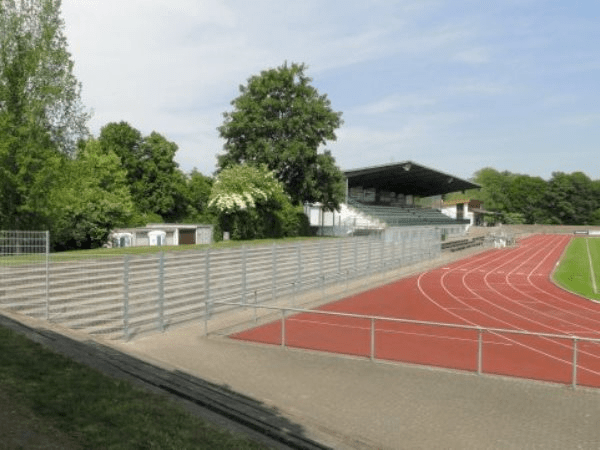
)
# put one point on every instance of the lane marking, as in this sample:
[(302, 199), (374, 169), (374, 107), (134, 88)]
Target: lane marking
[(587, 244)]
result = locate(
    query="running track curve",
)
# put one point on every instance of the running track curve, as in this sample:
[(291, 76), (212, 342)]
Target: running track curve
[(501, 289)]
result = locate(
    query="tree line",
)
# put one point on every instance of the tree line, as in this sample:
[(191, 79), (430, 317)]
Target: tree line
[(54, 175), (564, 199)]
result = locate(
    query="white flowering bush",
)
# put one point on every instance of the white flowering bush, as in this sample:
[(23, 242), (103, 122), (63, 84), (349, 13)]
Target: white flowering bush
[(242, 187), (249, 202)]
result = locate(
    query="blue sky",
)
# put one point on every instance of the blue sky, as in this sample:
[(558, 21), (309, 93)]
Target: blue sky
[(455, 85)]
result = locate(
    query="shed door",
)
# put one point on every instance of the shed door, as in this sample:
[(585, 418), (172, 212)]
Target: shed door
[(460, 211), (187, 237)]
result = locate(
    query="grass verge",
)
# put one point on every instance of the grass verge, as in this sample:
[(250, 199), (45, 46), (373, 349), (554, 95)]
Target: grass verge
[(94, 410), (74, 255), (574, 272)]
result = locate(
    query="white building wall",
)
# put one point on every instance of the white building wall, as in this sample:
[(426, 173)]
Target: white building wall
[(451, 211)]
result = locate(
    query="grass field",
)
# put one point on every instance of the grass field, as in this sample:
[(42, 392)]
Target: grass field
[(50, 400), (74, 255), (578, 268)]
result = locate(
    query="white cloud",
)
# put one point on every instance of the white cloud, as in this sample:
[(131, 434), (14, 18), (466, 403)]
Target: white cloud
[(478, 86), (396, 102), (582, 120), (478, 55)]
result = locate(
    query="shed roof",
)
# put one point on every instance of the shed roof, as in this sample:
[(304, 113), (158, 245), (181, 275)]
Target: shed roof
[(407, 178)]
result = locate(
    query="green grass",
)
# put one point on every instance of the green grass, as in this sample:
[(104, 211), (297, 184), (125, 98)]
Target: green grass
[(97, 253), (96, 410), (574, 272)]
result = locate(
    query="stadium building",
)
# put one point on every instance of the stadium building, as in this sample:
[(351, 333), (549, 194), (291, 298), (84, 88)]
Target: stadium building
[(390, 195)]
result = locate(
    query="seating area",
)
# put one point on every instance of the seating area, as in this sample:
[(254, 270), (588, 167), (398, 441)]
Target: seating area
[(463, 244), (405, 216)]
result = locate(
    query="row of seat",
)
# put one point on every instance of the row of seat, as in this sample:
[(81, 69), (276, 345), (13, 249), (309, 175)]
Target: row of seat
[(393, 215)]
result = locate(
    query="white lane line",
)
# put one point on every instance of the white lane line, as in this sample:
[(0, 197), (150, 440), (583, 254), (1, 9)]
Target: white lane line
[(587, 244)]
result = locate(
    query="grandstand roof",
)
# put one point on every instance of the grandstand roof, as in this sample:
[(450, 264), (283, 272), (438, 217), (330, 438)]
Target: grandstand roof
[(407, 178)]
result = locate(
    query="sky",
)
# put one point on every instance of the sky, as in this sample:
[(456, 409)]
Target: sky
[(455, 85)]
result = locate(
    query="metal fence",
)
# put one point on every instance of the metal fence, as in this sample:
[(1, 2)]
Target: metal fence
[(126, 295), (566, 359), (24, 266), (17, 243)]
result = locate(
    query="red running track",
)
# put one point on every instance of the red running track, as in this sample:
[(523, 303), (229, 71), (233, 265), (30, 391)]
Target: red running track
[(508, 289)]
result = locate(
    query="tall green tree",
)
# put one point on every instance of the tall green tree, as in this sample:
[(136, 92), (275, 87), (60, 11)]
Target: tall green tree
[(125, 141), (571, 199), (494, 189), (38, 90), (280, 120), (157, 185), (526, 196), (88, 197), (198, 191), (41, 114)]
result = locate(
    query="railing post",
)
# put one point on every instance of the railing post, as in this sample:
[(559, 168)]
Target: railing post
[(207, 281), (382, 259), (299, 266), (321, 259), (273, 270), (355, 253), (339, 256), (347, 276), (479, 351), (126, 297), (47, 275), (283, 328), (255, 305), (205, 318), (161, 291), (369, 256), (244, 264), (372, 355), (574, 376)]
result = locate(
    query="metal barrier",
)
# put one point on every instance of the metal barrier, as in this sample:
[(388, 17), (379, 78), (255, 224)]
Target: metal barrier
[(126, 295), (24, 267), (567, 352)]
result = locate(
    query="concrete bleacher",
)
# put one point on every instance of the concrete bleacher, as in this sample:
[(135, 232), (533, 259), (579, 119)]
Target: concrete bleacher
[(357, 218), (405, 216)]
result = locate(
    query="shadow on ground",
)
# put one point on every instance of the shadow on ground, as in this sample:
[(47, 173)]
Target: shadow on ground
[(214, 403)]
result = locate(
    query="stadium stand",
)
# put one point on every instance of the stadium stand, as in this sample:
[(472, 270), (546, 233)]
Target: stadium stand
[(405, 216), (381, 197)]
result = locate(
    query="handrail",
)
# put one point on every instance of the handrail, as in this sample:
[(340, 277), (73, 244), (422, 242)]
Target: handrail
[(372, 320), (411, 321)]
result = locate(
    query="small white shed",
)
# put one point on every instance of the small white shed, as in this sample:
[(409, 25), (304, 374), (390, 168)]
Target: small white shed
[(122, 239), (157, 237)]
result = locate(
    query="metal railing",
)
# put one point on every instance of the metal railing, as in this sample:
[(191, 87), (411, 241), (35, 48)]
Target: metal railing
[(125, 295), (30, 251), (282, 314)]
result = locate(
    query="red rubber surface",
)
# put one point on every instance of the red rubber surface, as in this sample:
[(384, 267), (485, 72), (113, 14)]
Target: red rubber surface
[(502, 288)]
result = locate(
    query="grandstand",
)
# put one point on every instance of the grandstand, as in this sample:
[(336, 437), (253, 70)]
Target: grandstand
[(380, 197)]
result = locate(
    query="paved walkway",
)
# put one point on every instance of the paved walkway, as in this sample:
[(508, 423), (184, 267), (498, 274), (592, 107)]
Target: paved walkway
[(353, 403)]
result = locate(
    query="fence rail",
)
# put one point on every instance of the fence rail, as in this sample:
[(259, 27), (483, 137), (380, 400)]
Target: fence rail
[(127, 295), (282, 314)]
